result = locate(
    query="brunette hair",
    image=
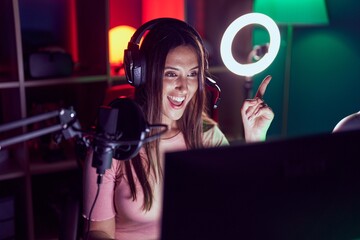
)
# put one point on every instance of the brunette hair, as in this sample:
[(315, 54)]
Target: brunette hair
[(155, 47)]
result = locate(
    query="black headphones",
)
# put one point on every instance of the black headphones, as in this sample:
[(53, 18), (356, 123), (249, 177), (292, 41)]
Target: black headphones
[(135, 63)]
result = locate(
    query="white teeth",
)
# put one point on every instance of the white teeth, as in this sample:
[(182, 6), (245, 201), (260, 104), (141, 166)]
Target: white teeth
[(177, 99)]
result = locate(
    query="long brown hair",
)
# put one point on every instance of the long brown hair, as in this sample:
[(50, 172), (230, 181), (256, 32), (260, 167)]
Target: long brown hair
[(155, 48)]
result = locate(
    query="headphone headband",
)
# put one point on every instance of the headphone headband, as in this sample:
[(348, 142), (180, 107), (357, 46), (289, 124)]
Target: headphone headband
[(152, 23)]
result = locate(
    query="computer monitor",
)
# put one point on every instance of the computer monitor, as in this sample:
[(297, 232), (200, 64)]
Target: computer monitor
[(299, 188)]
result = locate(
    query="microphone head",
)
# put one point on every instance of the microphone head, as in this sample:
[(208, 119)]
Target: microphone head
[(123, 121)]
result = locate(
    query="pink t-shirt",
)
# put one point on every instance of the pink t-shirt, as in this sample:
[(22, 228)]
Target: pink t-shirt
[(114, 200)]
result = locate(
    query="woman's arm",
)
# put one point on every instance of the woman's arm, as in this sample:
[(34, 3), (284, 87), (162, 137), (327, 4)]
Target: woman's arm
[(99, 230), (103, 211)]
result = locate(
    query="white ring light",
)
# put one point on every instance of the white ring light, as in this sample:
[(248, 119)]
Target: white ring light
[(249, 69)]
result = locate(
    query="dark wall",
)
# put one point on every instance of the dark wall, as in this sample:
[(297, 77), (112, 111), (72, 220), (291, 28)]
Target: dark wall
[(325, 73), (217, 17)]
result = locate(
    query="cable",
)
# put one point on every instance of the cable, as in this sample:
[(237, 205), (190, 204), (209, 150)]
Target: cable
[(147, 139), (99, 181)]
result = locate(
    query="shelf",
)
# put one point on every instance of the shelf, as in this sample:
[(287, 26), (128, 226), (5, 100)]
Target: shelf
[(57, 160), (10, 170), (120, 78), (34, 169), (55, 81), (68, 80), (5, 85), (51, 167)]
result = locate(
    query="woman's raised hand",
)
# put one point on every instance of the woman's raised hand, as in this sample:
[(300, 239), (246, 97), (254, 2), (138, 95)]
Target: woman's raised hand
[(257, 115)]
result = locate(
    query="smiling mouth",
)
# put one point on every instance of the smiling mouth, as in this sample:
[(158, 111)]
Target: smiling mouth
[(176, 101)]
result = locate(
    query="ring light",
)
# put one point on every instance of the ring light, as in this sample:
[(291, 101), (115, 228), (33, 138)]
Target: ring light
[(249, 69)]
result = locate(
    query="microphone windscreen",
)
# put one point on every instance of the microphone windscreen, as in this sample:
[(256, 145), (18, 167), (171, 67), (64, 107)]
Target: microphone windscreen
[(107, 121), (130, 126)]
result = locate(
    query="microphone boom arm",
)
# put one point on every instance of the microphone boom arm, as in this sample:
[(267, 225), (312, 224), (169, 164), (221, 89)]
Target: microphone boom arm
[(67, 119)]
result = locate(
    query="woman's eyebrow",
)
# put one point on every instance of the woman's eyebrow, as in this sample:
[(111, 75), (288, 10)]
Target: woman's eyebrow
[(175, 68), (172, 68)]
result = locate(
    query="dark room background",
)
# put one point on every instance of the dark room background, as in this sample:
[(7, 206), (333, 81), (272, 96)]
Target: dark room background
[(324, 67), (324, 84), (325, 73)]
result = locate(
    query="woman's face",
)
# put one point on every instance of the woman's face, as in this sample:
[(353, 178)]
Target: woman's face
[(180, 82)]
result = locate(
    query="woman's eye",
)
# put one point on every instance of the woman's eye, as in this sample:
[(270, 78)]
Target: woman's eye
[(170, 74), (193, 74)]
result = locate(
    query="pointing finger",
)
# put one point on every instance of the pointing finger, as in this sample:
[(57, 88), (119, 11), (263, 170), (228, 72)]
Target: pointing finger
[(262, 88)]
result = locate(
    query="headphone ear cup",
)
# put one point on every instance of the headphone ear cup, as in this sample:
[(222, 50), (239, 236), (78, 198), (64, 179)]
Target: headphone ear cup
[(134, 65), (139, 70), (128, 63), (142, 73)]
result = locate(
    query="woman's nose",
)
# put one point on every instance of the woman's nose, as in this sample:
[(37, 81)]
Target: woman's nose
[(181, 83)]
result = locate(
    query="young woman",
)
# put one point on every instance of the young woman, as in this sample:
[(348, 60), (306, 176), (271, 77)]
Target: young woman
[(173, 93)]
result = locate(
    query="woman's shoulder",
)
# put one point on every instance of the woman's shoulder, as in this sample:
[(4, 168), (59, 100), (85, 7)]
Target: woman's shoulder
[(213, 136)]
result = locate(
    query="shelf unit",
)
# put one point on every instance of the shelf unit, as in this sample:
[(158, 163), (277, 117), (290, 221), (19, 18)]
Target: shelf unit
[(80, 28), (28, 172)]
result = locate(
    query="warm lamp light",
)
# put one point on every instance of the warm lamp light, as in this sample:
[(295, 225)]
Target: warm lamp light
[(292, 13), (118, 40)]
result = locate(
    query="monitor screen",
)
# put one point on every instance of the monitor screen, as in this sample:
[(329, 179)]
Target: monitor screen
[(299, 188)]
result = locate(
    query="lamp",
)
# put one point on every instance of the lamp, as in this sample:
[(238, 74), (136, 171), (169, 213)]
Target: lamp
[(249, 69), (264, 55), (292, 13), (118, 39)]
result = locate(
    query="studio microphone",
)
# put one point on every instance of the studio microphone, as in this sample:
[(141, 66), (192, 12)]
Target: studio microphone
[(121, 131)]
